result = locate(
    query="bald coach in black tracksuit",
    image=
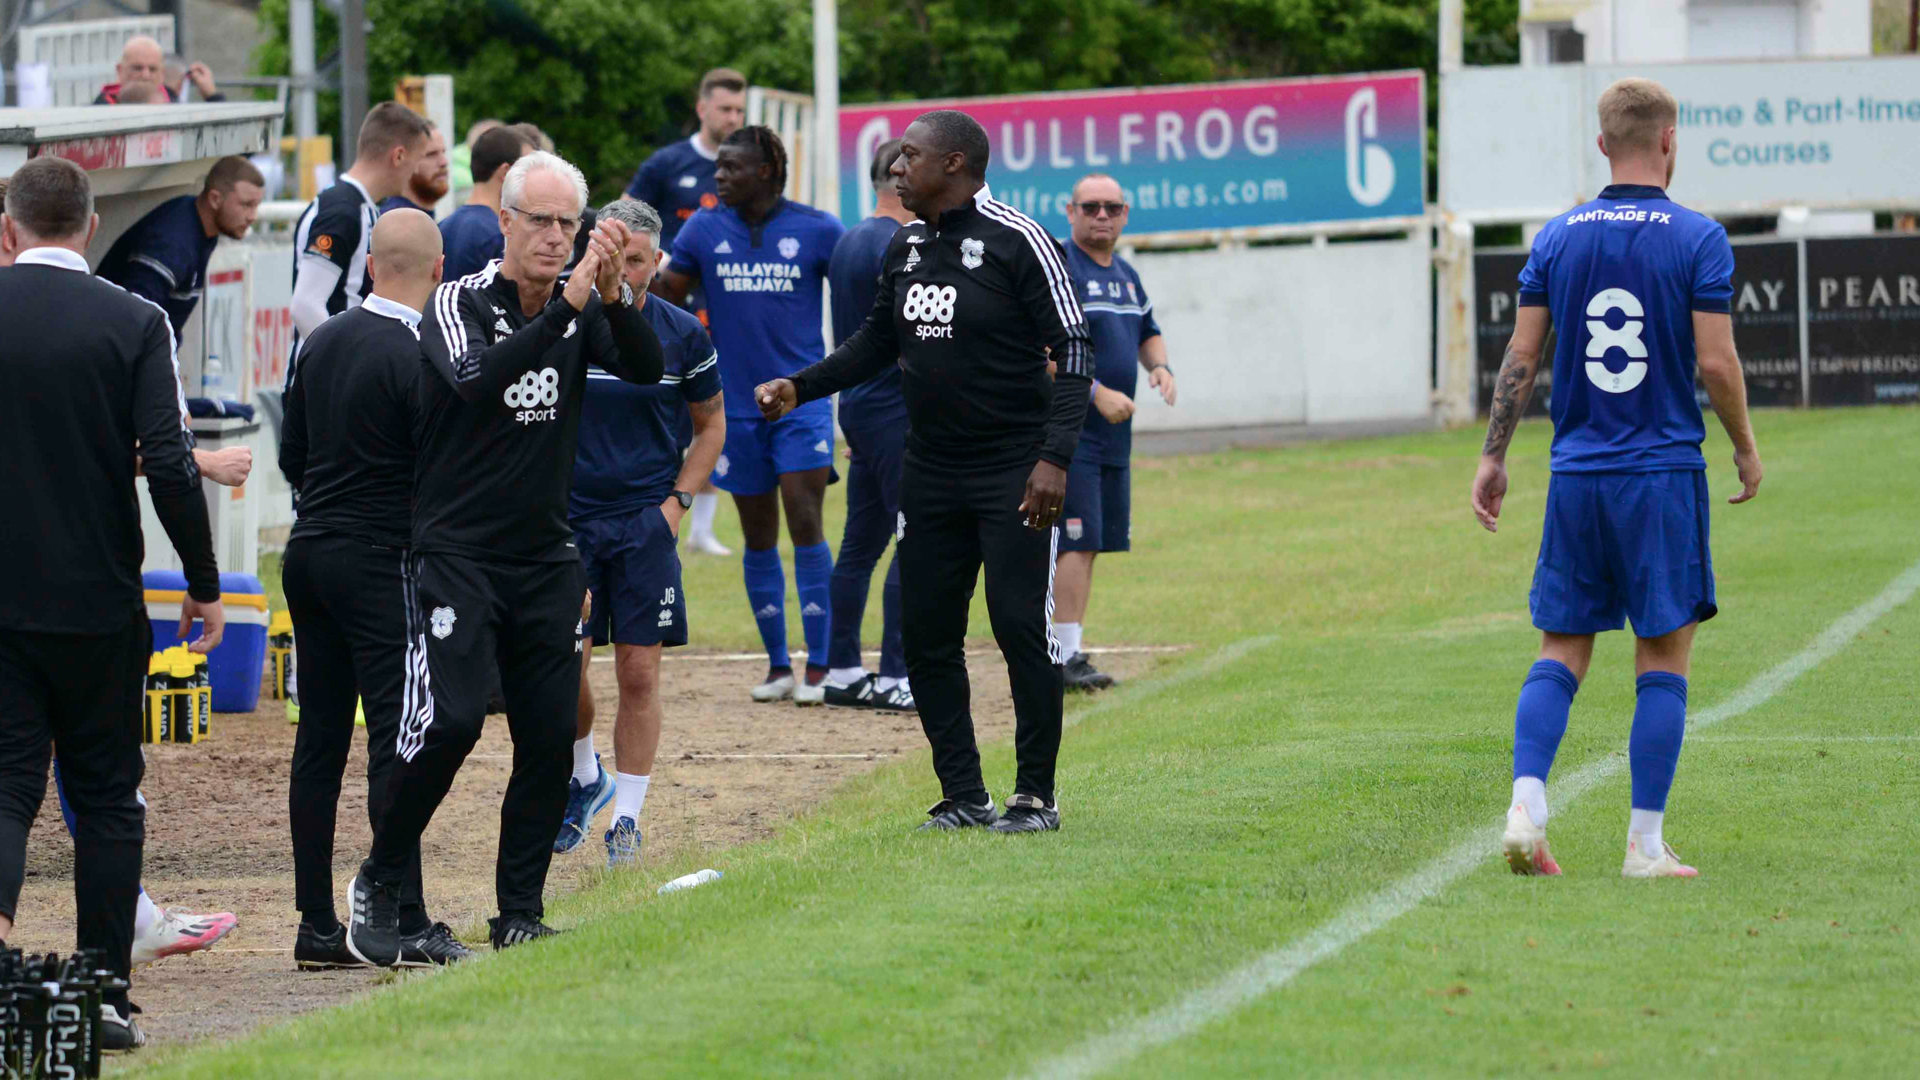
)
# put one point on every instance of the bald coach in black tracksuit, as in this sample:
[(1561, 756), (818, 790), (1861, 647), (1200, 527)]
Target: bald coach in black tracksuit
[(973, 302)]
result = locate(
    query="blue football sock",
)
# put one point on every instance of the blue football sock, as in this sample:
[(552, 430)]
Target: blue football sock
[(1659, 726), (813, 580), (1540, 720), (767, 596)]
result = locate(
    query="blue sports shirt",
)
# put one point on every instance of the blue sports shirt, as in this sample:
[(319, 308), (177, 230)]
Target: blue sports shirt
[(762, 286), (854, 273), (1622, 276), (1120, 317), (677, 181), (401, 202), (471, 238), (164, 259), (632, 437)]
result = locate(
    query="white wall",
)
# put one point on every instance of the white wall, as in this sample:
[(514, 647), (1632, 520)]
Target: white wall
[(1667, 31), (1290, 335)]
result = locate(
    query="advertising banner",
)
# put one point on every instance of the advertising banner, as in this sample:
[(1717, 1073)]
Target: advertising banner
[(1752, 135), (1496, 288), (1766, 321), (1239, 155), (1863, 319)]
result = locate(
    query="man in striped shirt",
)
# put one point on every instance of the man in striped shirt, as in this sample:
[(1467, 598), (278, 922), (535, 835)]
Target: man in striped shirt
[(334, 232)]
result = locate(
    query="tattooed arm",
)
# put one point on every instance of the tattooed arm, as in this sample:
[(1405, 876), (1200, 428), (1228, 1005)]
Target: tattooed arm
[(1511, 391)]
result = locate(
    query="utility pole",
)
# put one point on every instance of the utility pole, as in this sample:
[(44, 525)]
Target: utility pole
[(306, 123), (353, 77), (826, 106), (1454, 397)]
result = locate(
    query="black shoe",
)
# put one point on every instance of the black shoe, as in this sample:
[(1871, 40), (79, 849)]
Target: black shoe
[(512, 928), (373, 928), (865, 694), (433, 947), (119, 1032), (948, 814), (1082, 675), (315, 951), (1028, 813)]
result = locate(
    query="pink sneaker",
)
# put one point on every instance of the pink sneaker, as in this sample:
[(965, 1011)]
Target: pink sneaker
[(1526, 845), (1639, 864), (176, 932)]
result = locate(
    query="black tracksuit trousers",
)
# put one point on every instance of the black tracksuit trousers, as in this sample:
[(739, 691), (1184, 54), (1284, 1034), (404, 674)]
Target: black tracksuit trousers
[(469, 616), (348, 599), (78, 695), (956, 519)]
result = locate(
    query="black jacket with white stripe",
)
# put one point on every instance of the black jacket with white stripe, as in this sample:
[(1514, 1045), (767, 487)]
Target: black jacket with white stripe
[(972, 306), (499, 414), (90, 381)]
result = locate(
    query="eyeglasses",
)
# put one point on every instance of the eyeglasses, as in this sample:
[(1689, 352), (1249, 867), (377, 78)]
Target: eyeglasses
[(1113, 209), (543, 222)]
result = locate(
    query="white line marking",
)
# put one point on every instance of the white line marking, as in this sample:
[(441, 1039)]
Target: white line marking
[(1815, 740), (741, 658), (1275, 969), (1128, 697)]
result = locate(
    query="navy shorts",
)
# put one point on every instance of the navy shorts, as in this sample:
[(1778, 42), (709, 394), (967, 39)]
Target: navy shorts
[(632, 566), (1098, 512), (1620, 546), (758, 453)]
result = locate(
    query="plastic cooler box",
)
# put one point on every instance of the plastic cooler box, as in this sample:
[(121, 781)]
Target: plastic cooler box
[(235, 665)]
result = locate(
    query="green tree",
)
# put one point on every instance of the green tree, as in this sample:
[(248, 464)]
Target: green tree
[(612, 82)]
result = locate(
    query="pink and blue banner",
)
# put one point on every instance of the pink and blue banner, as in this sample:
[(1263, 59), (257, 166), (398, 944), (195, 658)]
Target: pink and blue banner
[(1220, 156)]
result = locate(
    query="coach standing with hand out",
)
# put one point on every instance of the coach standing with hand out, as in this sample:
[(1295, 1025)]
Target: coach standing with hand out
[(974, 297), (85, 394)]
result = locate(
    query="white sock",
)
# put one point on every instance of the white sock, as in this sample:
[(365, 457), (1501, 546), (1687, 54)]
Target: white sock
[(1643, 826), (845, 676), (629, 795), (703, 508), (1068, 634), (145, 914), (1531, 792), (586, 768), (883, 684)]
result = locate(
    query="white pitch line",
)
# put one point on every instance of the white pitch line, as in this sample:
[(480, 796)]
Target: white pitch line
[(740, 658), (1126, 699), (1813, 739), (1275, 969)]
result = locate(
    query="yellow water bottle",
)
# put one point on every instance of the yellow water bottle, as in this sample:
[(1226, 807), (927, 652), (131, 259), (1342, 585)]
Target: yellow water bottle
[(159, 706), (180, 689), (203, 695)]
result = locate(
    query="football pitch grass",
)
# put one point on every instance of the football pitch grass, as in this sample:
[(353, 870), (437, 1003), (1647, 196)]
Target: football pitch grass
[(1342, 721)]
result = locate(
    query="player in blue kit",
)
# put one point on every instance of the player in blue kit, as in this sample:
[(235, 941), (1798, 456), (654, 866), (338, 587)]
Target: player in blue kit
[(631, 487), (1097, 517), (677, 181), (1640, 290), (873, 415), (761, 260)]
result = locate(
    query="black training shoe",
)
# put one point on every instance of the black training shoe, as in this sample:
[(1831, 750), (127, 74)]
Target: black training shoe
[(1028, 813), (948, 814), (512, 928), (433, 947), (1082, 675), (119, 1031), (315, 951), (866, 694), (373, 928)]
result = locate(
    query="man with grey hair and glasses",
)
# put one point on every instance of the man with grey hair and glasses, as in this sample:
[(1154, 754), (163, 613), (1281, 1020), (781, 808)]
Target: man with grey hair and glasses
[(494, 577), (631, 488)]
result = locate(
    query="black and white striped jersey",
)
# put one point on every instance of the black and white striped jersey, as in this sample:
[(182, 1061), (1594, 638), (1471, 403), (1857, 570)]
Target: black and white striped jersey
[(336, 232), (973, 306)]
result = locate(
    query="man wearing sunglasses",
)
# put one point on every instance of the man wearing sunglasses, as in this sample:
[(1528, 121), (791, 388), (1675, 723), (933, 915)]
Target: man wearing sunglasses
[(494, 577), (1098, 513)]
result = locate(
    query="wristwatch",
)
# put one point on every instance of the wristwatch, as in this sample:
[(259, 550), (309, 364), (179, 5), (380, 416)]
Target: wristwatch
[(686, 499)]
